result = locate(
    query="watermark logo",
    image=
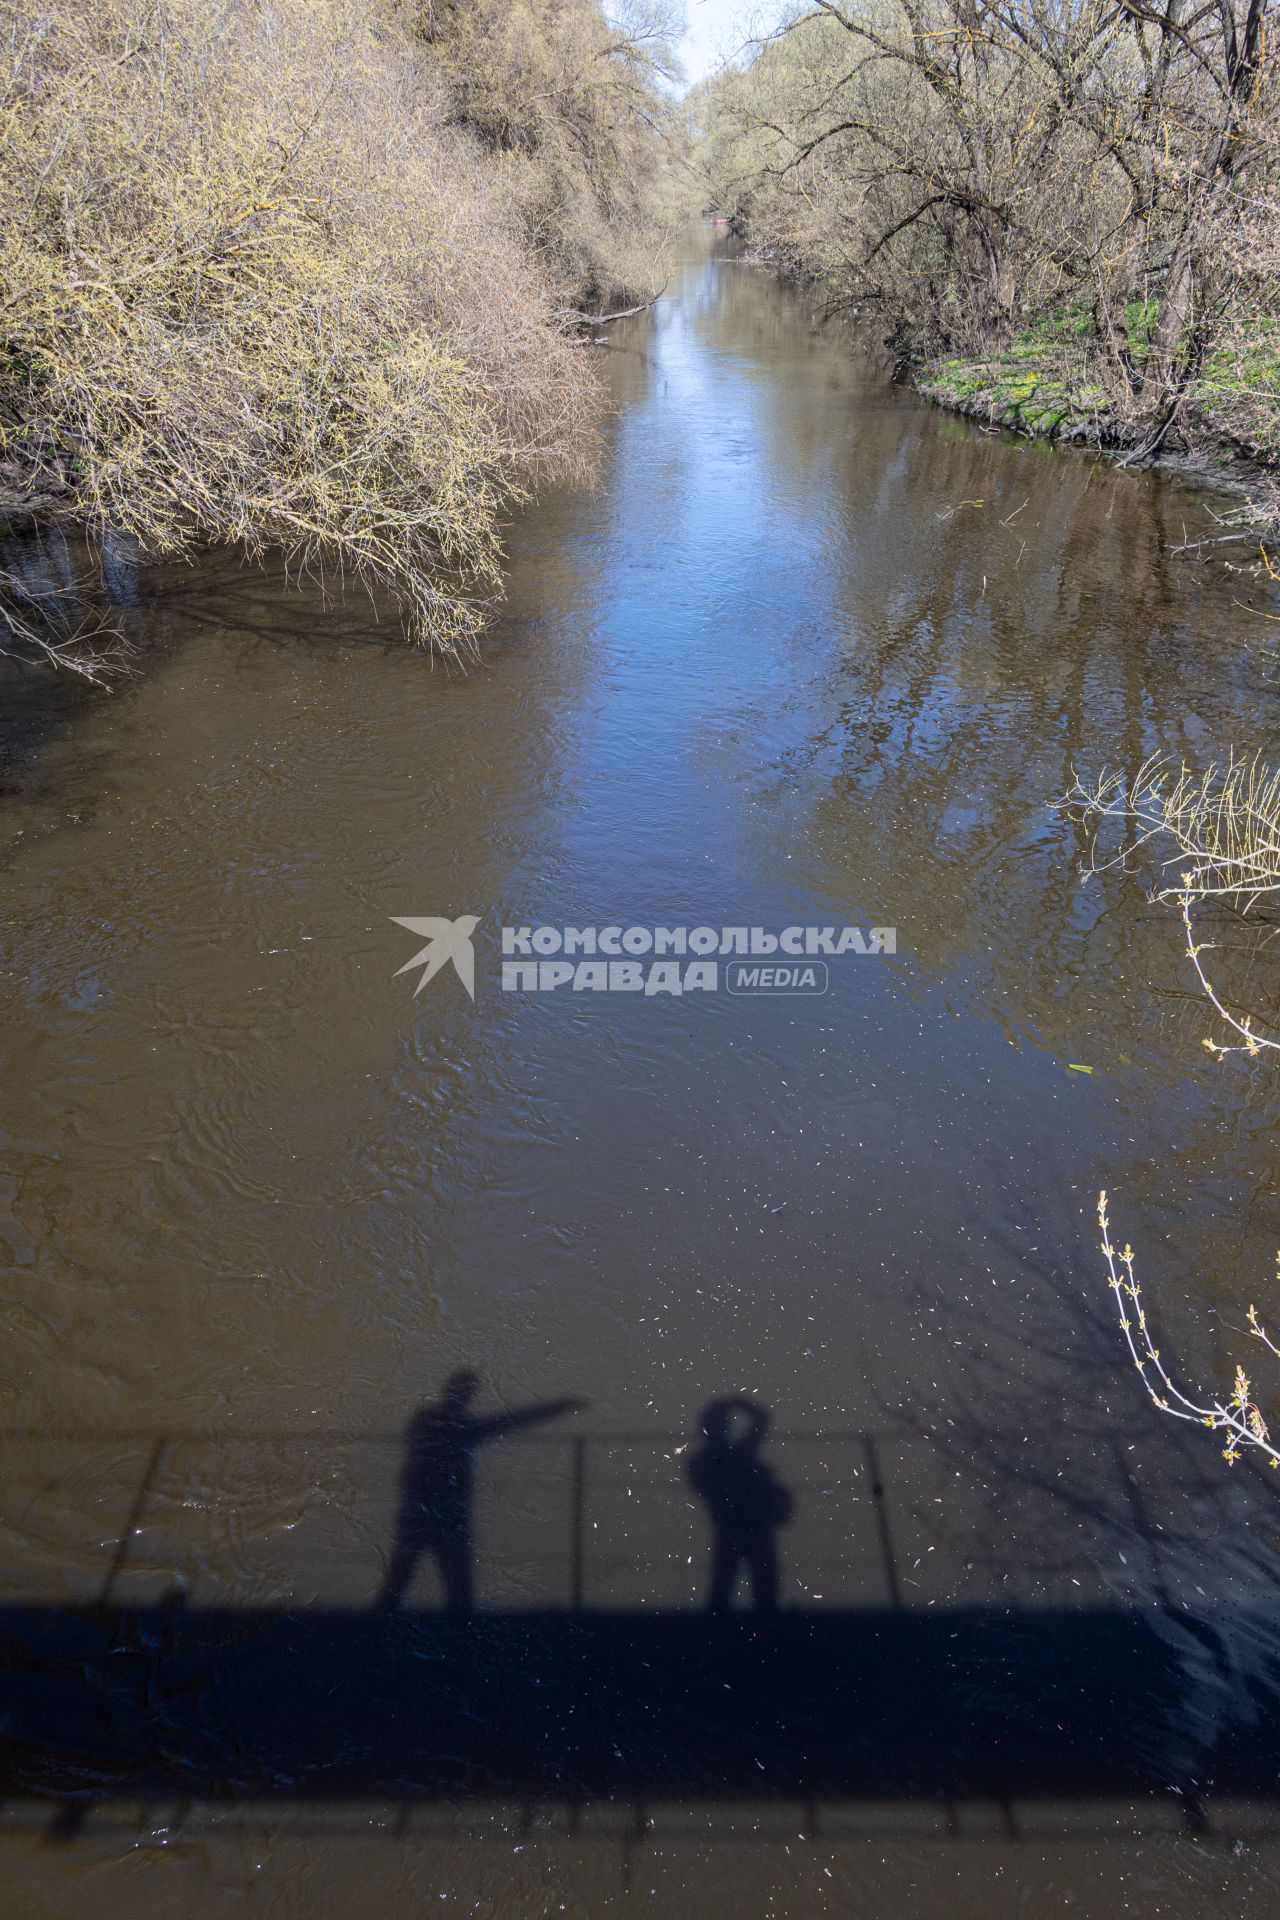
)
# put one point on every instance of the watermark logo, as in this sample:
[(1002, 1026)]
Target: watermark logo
[(447, 940), (796, 976), (648, 960)]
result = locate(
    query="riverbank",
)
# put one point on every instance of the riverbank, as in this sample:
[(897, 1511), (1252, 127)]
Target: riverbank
[(1043, 390), (1066, 232), (1049, 391)]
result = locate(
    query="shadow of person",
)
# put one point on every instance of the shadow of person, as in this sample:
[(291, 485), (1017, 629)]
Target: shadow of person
[(436, 1497), (745, 1501)]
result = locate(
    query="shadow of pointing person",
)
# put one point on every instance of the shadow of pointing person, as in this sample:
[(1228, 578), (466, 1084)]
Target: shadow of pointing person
[(745, 1500), (436, 1499)]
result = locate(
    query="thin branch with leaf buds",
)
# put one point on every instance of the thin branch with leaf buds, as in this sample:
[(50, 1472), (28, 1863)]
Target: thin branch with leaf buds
[(1239, 1417)]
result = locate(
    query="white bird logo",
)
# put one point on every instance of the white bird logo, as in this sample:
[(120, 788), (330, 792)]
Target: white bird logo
[(446, 940)]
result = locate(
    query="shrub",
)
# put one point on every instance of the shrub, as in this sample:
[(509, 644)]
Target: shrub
[(257, 289)]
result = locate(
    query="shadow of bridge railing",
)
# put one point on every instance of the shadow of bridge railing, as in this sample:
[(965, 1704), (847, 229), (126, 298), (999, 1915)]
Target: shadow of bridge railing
[(137, 1693), (582, 1519)]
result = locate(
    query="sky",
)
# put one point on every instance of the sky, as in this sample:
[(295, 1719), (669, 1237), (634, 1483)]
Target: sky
[(717, 27)]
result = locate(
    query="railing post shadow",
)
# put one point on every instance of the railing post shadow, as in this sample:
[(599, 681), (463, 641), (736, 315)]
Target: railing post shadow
[(882, 1523), (120, 1557), (577, 1543)]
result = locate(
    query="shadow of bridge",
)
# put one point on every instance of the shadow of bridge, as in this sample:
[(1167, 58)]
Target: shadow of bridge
[(157, 1703), (140, 1696)]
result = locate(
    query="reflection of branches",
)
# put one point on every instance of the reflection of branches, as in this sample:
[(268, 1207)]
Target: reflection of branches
[(1046, 1485), (1240, 1417), (49, 624), (1223, 829)]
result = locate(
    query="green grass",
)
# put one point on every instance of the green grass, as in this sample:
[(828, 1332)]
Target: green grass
[(1042, 384), (1140, 323), (1034, 388), (1240, 391)]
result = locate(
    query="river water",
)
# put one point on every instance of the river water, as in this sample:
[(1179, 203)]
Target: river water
[(810, 654)]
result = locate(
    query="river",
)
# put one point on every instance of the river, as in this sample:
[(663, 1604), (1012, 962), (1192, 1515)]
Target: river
[(811, 654)]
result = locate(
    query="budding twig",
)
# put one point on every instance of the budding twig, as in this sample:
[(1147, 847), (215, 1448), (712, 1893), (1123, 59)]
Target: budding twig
[(1239, 1417)]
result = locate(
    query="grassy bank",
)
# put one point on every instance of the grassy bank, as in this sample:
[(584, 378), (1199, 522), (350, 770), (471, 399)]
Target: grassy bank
[(1048, 395), (1064, 221), (1051, 383)]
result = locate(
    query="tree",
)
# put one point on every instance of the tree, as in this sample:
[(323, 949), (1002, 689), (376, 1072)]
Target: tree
[(973, 167), (268, 280)]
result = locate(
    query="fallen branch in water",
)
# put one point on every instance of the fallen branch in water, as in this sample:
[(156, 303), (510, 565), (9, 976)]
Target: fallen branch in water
[(607, 319), (1254, 523)]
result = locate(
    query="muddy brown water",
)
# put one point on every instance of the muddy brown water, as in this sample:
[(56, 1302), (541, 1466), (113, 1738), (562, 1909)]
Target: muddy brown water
[(811, 654)]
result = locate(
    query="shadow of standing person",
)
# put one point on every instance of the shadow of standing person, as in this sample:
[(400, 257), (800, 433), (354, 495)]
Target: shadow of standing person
[(745, 1500), (436, 1496)]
